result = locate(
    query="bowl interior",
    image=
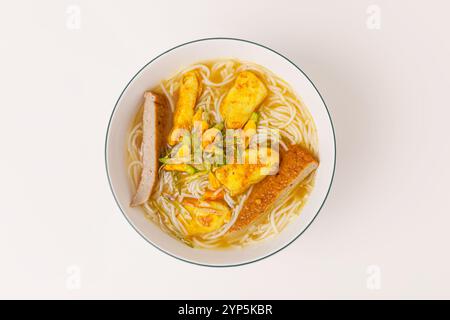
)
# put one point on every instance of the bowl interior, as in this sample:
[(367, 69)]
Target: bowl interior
[(161, 68)]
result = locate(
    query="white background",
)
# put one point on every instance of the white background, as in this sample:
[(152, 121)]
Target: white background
[(387, 91)]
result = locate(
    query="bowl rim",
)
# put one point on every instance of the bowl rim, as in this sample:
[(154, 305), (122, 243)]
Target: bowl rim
[(232, 264)]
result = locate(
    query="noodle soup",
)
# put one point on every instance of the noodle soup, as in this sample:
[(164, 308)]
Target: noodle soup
[(210, 204)]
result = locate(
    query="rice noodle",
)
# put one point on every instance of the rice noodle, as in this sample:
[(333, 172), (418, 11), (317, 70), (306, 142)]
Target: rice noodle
[(169, 97)]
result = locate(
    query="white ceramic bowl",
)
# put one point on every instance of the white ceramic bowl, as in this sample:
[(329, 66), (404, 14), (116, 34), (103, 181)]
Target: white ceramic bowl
[(165, 65)]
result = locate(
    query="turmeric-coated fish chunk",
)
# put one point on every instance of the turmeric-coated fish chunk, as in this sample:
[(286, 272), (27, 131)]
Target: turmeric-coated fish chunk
[(243, 98), (237, 177), (184, 109)]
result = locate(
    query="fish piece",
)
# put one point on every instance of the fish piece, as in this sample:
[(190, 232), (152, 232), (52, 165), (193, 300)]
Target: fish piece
[(209, 136), (237, 178), (206, 216), (243, 98), (296, 164), (184, 109), (214, 184), (155, 121)]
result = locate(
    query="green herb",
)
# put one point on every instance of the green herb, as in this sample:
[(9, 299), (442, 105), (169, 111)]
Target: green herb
[(254, 117), (164, 160), (190, 169), (219, 126)]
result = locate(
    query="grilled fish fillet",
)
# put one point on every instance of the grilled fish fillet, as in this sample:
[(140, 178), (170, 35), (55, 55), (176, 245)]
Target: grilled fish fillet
[(184, 110), (155, 121), (296, 164), (243, 98)]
